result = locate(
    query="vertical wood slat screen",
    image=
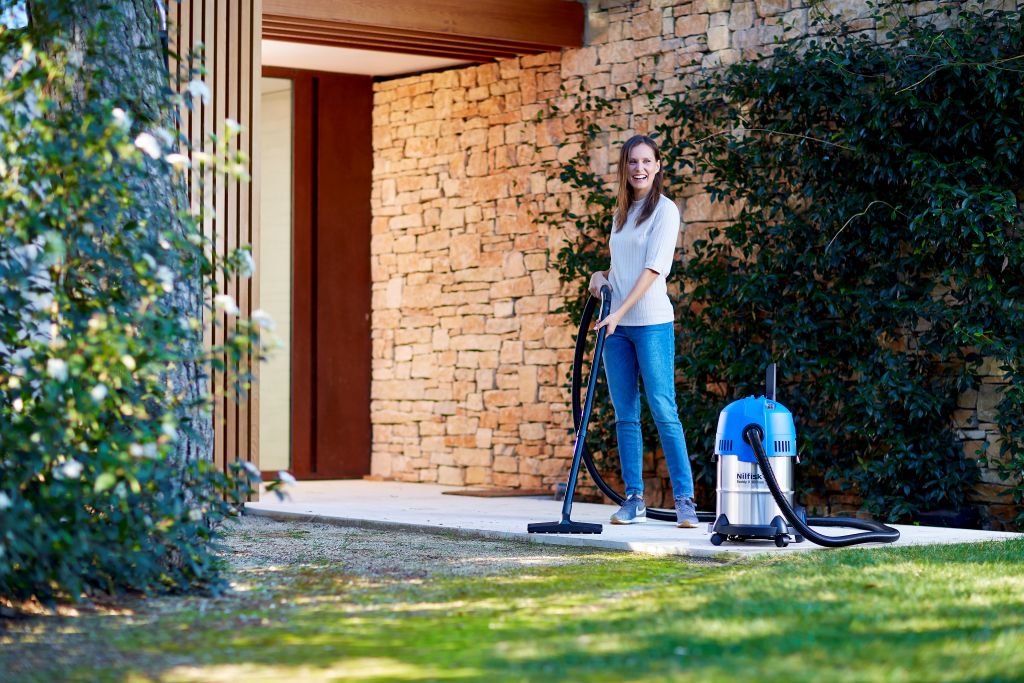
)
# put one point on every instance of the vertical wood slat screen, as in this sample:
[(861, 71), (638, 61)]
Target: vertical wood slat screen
[(230, 32)]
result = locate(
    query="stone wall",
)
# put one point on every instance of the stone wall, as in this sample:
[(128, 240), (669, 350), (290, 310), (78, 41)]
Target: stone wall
[(469, 359)]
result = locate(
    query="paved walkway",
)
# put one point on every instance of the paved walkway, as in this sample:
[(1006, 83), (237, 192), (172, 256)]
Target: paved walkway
[(422, 507)]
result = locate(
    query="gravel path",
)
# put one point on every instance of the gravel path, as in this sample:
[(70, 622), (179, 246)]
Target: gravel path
[(253, 542)]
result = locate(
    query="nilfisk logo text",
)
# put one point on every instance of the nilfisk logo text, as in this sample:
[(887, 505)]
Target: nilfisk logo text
[(748, 477)]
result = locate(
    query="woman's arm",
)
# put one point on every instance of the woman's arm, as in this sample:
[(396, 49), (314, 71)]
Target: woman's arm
[(643, 283)]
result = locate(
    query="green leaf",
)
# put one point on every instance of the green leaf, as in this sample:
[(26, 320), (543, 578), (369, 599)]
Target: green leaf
[(105, 481)]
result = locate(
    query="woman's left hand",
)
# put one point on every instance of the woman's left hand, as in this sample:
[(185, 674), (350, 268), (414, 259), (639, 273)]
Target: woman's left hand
[(611, 321)]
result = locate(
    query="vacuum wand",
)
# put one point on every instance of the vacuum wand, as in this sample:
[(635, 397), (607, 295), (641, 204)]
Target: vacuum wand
[(566, 525)]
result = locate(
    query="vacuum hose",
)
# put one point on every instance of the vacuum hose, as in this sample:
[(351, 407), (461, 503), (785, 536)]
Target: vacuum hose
[(876, 532), (588, 458)]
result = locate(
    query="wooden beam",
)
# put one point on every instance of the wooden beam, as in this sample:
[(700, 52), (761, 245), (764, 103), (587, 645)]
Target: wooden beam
[(474, 29), (345, 35)]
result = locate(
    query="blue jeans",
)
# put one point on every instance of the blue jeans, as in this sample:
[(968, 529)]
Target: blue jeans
[(646, 351)]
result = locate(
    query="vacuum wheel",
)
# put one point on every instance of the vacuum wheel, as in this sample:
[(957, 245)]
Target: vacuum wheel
[(781, 541), (717, 538)]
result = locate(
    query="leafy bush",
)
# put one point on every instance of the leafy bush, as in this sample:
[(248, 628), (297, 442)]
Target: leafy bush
[(94, 495), (872, 245)]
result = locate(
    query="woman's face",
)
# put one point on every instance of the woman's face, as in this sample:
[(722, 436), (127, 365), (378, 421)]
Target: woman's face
[(641, 167)]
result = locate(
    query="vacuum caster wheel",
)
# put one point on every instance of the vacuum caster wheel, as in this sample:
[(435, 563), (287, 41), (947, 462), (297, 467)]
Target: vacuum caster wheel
[(781, 541), (716, 539)]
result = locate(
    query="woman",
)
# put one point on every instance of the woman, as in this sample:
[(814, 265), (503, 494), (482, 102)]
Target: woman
[(640, 340)]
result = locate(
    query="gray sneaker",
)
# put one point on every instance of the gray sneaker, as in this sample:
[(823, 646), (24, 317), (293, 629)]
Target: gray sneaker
[(633, 511), (686, 513)]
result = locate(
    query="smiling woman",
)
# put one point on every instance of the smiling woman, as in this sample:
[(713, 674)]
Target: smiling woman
[(643, 244)]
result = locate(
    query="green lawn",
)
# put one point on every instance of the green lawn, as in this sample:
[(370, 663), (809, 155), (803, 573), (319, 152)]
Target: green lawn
[(953, 613)]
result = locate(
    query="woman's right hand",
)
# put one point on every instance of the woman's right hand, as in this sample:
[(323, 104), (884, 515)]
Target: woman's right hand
[(597, 281)]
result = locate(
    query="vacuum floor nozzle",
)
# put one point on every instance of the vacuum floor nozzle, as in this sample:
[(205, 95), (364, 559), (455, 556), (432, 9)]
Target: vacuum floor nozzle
[(564, 527)]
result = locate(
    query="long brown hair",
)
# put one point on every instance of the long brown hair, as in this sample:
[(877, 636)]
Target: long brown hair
[(625, 195)]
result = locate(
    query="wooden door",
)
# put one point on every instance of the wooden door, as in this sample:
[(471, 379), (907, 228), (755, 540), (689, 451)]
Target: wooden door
[(330, 336)]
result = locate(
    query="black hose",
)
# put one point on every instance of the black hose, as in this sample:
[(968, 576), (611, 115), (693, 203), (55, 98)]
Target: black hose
[(876, 532), (577, 382)]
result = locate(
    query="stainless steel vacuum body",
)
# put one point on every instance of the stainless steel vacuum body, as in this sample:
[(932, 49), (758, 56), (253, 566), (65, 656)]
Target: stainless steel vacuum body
[(743, 495)]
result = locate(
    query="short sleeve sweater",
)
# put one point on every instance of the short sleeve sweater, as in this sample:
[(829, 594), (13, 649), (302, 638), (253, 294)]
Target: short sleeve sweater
[(634, 248)]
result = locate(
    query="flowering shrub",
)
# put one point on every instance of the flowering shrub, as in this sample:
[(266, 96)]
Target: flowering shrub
[(96, 281)]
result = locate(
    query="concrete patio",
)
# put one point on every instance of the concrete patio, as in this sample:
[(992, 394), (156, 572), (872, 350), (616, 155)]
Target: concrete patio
[(423, 507)]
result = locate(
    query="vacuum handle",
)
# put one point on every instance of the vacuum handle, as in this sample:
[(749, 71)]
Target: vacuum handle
[(606, 302)]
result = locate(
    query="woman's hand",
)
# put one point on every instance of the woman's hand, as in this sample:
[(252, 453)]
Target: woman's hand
[(597, 281), (611, 321)]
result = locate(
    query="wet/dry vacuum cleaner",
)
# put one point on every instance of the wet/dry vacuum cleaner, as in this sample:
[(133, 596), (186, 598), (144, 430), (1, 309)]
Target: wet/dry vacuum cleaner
[(756, 449)]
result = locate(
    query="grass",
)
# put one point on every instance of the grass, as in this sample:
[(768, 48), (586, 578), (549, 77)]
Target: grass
[(939, 613)]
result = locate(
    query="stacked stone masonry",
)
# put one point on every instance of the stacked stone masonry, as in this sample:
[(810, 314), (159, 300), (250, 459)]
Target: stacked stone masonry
[(469, 358)]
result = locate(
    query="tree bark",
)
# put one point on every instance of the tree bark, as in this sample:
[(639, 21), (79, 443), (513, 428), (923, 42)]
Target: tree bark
[(128, 67)]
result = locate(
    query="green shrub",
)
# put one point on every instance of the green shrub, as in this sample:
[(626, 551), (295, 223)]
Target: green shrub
[(94, 494), (875, 249)]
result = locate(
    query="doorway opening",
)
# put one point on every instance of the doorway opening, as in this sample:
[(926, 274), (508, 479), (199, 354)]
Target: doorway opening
[(314, 272)]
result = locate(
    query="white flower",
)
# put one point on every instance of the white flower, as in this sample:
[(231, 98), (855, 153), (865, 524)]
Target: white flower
[(263, 319), (166, 278), (232, 126), (246, 266), (5, 501), (198, 89), (72, 469), (18, 405), (150, 261), (135, 450), (253, 471), (286, 477), (195, 514), (98, 392), (148, 144), (169, 431), (121, 118), (224, 302), (180, 162), (57, 369), (128, 362)]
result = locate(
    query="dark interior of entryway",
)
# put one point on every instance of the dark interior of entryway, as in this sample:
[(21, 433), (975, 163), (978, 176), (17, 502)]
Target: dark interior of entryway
[(332, 163)]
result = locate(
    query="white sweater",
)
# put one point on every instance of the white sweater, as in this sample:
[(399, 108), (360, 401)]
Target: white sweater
[(652, 244)]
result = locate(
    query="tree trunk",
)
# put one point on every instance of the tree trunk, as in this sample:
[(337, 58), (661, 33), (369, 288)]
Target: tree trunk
[(128, 66)]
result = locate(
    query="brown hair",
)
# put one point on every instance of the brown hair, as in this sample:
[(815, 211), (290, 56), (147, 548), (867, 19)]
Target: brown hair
[(625, 195)]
